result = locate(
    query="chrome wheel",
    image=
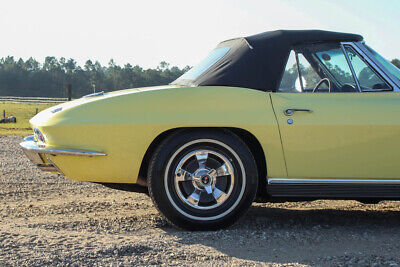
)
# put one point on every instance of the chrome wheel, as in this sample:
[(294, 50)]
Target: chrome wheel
[(199, 186), (204, 192), (204, 179)]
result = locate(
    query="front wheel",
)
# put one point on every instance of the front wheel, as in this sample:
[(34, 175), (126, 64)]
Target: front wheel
[(202, 180)]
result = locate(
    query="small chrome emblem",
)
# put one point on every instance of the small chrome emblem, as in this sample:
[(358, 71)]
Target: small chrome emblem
[(56, 110)]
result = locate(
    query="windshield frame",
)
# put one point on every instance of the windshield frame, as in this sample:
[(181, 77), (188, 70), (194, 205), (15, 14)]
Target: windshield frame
[(374, 63)]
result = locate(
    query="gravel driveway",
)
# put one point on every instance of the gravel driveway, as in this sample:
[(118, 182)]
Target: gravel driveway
[(47, 219)]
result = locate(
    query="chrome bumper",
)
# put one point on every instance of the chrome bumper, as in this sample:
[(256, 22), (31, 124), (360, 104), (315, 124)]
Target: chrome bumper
[(36, 153)]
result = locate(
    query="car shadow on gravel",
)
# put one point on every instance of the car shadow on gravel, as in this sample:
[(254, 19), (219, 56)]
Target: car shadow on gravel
[(281, 217), (284, 235)]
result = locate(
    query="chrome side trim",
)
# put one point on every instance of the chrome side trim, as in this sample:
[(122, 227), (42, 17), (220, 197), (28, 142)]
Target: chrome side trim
[(330, 181), (31, 147), (33, 156), (35, 153)]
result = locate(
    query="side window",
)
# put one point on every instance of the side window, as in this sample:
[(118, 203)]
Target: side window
[(309, 76), (367, 78), (290, 80), (335, 61)]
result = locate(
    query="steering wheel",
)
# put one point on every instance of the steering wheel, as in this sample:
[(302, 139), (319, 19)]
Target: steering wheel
[(348, 88), (320, 83)]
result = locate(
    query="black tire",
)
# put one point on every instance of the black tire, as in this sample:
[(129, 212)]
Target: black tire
[(202, 209)]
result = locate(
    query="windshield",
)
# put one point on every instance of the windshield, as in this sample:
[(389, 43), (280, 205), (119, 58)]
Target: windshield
[(203, 66), (386, 63)]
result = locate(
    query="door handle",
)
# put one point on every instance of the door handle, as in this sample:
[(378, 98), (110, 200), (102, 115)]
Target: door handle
[(291, 111)]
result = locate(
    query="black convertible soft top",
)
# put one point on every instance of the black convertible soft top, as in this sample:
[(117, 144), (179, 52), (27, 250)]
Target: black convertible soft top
[(258, 61)]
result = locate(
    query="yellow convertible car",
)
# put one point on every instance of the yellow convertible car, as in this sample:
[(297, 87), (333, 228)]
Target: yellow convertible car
[(278, 116)]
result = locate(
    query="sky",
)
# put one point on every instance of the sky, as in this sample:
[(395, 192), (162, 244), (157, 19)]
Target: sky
[(180, 32)]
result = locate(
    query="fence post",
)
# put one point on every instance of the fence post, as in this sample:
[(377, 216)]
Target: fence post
[(4, 113), (69, 92), (36, 111)]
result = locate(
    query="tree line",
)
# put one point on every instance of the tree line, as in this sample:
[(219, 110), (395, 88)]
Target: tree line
[(51, 78), (396, 62)]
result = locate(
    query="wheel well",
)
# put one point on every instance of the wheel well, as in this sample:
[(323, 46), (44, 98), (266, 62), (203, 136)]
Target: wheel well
[(258, 153), (142, 179), (249, 139)]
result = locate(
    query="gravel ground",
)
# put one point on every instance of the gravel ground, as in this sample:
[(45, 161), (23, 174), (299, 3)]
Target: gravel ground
[(49, 220)]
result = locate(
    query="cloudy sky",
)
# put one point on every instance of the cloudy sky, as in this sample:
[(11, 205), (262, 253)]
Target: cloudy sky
[(180, 32)]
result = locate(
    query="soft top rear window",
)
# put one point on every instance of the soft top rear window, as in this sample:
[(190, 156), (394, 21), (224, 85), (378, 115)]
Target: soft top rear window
[(204, 65)]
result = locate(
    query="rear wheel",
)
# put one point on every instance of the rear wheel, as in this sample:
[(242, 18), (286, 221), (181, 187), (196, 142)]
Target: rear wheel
[(202, 180)]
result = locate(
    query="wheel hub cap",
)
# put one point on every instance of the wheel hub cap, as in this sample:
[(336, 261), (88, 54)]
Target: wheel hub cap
[(204, 179)]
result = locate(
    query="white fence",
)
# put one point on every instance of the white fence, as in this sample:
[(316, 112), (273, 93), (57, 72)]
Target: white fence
[(34, 100)]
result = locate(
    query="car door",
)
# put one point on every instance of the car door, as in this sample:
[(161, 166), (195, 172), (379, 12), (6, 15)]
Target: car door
[(338, 132)]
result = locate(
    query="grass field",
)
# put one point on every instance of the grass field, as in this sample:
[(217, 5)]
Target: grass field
[(23, 112)]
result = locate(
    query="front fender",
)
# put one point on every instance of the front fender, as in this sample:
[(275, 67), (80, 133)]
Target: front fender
[(123, 125)]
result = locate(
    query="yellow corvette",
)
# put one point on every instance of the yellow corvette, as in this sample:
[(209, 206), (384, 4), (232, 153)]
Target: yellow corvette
[(278, 116)]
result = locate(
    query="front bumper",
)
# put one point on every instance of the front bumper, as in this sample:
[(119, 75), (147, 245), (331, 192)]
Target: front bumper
[(38, 154)]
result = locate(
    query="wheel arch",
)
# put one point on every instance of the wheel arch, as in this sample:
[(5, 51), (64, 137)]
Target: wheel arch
[(247, 137)]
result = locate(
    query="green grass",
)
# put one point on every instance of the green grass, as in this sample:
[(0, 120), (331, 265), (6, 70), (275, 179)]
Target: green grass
[(23, 113)]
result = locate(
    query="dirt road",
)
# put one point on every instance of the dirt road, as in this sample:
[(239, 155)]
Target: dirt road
[(47, 219)]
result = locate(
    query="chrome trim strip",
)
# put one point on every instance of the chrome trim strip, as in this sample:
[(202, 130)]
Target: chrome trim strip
[(32, 147), (351, 67), (330, 181), (55, 166), (378, 90), (32, 155), (248, 44), (32, 150), (299, 71)]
